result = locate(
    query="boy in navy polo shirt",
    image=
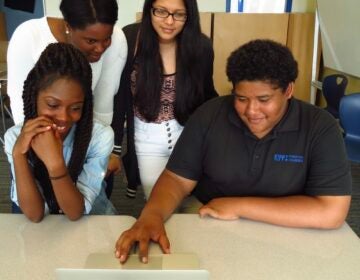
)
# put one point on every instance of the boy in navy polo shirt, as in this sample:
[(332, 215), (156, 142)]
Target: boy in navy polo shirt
[(258, 154)]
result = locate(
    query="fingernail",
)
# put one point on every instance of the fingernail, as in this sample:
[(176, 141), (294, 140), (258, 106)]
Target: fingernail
[(144, 259), (122, 258), (117, 254)]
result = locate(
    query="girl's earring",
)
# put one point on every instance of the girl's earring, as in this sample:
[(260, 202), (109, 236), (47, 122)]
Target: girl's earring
[(67, 32)]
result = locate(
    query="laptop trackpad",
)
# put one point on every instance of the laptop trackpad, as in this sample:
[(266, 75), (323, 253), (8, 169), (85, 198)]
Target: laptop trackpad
[(166, 261)]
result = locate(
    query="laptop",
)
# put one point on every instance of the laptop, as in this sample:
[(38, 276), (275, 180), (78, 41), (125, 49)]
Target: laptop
[(159, 267), (119, 274)]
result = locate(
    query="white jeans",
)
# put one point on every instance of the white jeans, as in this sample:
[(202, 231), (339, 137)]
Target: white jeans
[(154, 144)]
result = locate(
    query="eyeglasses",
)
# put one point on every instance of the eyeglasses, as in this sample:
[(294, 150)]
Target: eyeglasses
[(162, 13)]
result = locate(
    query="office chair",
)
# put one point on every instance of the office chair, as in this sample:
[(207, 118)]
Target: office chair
[(349, 113), (333, 88)]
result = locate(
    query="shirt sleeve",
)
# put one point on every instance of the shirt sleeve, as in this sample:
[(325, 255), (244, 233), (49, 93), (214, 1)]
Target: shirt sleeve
[(10, 139), (118, 121), (20, 61), (122, 102), (90, 180), (107, 86), (329, 172)]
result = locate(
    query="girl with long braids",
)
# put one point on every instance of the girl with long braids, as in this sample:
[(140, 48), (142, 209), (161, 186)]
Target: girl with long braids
[(167, 75), (59, 155), (88, 25)]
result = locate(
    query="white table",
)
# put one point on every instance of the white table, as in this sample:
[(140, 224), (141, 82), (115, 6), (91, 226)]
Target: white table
[(33, 251), (229, 250), (251, 250)]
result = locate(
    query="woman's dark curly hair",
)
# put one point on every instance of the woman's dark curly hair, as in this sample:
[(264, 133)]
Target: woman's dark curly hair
[(60, 61), (262, 60)]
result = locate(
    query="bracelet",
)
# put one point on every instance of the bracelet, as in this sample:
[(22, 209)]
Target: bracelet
[(115, 155), (58, 177)]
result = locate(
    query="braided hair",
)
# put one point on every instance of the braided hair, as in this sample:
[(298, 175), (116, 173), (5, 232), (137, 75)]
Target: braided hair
[(59, 61)]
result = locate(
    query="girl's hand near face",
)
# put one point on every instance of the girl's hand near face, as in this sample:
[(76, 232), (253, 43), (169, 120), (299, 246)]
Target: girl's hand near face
[(30, 199), (31, 129), (48, 147)]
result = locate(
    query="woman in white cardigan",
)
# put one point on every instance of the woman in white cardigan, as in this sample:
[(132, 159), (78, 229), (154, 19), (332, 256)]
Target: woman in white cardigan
[(89, 26)]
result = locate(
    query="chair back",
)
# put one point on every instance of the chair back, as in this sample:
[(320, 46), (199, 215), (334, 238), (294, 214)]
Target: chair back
[(349, 114), (333, 88)]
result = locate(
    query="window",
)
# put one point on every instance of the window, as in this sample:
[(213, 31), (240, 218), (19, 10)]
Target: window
[(259, 6)]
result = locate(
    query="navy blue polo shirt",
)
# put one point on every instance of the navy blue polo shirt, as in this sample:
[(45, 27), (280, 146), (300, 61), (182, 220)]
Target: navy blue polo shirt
[(303, 154)]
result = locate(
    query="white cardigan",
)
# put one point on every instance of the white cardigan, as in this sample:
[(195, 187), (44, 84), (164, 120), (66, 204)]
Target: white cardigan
[(25, 47)]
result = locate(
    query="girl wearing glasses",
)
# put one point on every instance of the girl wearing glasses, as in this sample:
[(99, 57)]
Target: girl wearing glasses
[(168, 74)]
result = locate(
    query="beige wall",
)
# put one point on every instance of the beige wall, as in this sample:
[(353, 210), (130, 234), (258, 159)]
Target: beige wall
[(3, 41), (3, 35), (303, 6)]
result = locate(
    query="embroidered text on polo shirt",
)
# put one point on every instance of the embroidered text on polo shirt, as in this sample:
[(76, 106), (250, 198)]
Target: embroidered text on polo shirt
[(289, 158)]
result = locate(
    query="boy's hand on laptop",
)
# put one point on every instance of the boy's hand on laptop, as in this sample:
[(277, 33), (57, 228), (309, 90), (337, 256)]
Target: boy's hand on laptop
[(147, 228)]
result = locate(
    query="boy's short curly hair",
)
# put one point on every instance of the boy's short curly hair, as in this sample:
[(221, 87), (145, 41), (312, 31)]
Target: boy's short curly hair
[(262, 60)]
